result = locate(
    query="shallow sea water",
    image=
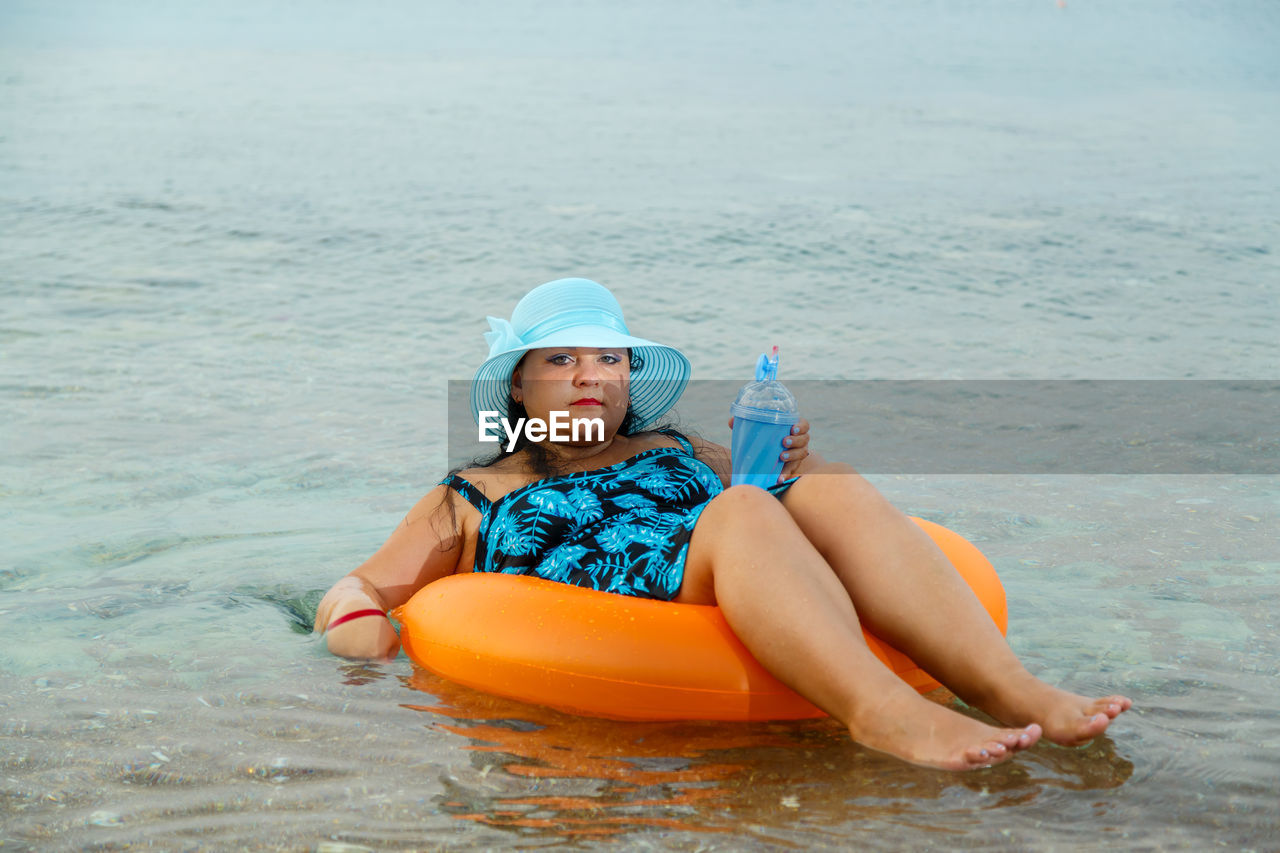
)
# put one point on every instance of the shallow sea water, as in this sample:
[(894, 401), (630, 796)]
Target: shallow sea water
[(242, 249)]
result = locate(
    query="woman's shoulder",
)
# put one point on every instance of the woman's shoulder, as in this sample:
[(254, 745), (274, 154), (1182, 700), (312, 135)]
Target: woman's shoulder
[(709, 453), (493, 481)]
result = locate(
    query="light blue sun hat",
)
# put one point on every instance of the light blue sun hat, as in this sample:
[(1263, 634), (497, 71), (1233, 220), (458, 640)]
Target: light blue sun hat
[(577, 312)]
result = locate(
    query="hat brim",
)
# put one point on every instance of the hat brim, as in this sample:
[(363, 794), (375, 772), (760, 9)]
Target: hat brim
[(655, 386)]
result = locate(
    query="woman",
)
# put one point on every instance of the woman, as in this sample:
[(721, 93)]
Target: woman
[(797, 570)]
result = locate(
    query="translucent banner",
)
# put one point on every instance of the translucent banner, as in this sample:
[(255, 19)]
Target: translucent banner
[(995, 426)]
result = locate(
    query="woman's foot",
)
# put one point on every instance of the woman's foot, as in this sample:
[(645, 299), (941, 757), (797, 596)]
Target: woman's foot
[(916, 730), (1068, 719), (1072, 719)]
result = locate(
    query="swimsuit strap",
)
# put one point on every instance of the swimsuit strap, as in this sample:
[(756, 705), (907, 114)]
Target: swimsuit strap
[(684, 442), (473, 496)]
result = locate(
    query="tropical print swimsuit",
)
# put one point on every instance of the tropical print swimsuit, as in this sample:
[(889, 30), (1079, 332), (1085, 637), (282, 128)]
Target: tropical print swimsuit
[(624, 528)]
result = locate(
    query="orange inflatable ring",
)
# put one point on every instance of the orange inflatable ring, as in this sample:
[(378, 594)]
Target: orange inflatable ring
[(616, 656)]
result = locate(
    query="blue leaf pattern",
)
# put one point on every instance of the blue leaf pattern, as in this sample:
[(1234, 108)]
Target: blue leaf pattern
[(551, 502), (561, 560), (586, 505), (620, 536), (631, 500), (510, 537)]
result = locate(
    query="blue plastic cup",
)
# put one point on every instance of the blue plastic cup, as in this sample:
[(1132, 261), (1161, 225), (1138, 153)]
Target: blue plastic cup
[(757, 444)]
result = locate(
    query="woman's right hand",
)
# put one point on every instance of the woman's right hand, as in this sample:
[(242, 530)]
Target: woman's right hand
[(367, 637), (425, 547)]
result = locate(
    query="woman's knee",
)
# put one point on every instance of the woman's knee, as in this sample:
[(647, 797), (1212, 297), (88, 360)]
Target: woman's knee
[(833, 485), (744, 507), (745, 497), (737, 518)]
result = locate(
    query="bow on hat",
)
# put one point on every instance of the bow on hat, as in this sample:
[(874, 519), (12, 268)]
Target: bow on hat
[(502, 336)]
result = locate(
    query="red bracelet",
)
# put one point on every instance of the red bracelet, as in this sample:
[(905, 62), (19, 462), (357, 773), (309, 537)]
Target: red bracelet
[(354, 614)]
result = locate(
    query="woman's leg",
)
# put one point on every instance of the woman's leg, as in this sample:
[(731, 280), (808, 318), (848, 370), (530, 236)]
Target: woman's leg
[(789, 609), (908, 594)]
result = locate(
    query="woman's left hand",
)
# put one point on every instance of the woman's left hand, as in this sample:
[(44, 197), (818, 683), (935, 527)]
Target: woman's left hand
[(797, 449)]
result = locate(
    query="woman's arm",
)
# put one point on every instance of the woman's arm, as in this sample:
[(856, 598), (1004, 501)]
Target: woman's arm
[(428, 545)]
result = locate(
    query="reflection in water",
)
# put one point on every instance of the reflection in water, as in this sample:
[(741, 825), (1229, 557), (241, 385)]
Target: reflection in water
[(547, 773), (361, 673)]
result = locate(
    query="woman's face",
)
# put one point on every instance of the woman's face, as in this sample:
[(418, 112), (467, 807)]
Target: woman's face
[(585, 382)]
